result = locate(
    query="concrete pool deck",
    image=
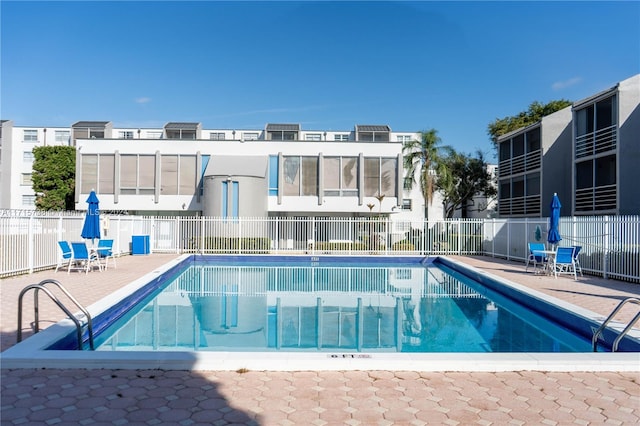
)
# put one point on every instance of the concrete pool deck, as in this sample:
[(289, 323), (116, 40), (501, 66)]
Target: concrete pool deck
[(149, 396)]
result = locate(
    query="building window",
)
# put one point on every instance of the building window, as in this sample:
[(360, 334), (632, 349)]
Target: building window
[(89, 167), (366, 133), (217, 136), (273, 175), (26, 179), (106, 173), (300, 176), (137, 174), (127, 134), (406, 204), (30, 136), (596, 128), (250, 136), (341, 137), (380, 177), (230, 203), (63, 137), (313, 137), (27, 157), (178, 175), (404, 138), (28, 200), (340, 176)]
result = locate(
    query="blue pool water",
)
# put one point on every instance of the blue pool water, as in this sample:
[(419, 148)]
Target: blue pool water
[(298, 304)]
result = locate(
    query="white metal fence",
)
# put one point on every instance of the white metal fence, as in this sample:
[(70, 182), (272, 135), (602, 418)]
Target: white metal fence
[(610, 244)]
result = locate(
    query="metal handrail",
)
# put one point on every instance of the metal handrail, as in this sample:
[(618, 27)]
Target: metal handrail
[(623, 333), (41, 286)]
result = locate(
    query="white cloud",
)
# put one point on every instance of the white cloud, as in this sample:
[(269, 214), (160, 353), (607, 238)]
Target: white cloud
[(143, 100), (559, 85)]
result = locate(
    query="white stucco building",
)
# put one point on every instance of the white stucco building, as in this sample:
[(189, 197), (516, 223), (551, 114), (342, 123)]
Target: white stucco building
[(183, 169)]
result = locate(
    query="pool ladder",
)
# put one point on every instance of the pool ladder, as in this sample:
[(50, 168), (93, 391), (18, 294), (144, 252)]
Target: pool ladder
[(624, 332), (41, 286)]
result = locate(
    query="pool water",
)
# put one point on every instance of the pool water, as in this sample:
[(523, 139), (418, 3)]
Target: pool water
[(329, 307)]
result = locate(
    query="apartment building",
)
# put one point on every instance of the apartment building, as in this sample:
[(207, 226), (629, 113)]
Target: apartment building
[(184, 169), (587, 153)]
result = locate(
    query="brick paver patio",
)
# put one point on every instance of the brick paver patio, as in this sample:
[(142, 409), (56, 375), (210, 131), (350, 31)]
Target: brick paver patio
[(120, 397)]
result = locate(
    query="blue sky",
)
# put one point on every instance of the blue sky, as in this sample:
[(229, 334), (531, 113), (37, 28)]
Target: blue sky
[(453, 66)]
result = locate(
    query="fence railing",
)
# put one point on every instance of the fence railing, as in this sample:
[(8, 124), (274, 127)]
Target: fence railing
[(610, 244)]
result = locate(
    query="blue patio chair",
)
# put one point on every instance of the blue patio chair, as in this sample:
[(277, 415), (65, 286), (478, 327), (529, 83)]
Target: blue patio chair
[(576, 250), (65, 255), (564, 263), (537, 256), (83, 259), (105, 251)]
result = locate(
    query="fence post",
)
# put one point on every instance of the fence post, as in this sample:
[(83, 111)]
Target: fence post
[(605, 251), (31, 244), (459, 236), (202, 235)]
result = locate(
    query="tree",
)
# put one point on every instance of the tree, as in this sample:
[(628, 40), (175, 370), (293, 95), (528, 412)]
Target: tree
[(422, 157), (461, 178), (532, 115), (53, 178)]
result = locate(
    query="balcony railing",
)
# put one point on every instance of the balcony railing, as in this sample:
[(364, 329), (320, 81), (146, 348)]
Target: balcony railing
[(597, 142)]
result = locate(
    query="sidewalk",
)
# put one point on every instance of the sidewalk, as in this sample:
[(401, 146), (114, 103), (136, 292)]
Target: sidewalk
[(50, 396)]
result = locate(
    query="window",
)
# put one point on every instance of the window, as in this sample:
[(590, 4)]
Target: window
[(533, 140), (26, 179), (187, 174), (28, 200), (229, 204), (404, 138), (182, 134), (178, 175), (106, 174), (30, 136), (169, 175), (273, 175), (313, 137), (380, 177), (89, 165), (406, 204), (300, 176), (605, 113), (505, 150), (137, 174), (533, 184), (518, 145), (340, 176), (584, 174), (605, 170), (250, 136), (27, 157), (127, 134), (505, 189), (341, 137), (369, 133), (281, 135), (63, 137), (584, 121), (217, 136)]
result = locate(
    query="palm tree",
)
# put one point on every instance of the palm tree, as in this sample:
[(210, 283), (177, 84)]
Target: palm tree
[(423, 157)]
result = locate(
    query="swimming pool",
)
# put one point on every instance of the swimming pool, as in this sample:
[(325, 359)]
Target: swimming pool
[(383, 291), (369, 306)]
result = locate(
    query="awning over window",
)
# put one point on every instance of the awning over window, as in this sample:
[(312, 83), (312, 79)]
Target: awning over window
[(181, 126), (228, 165), (283, 127)]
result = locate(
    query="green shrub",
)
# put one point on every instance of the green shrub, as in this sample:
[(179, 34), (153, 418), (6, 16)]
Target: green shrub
[(403, 245)]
